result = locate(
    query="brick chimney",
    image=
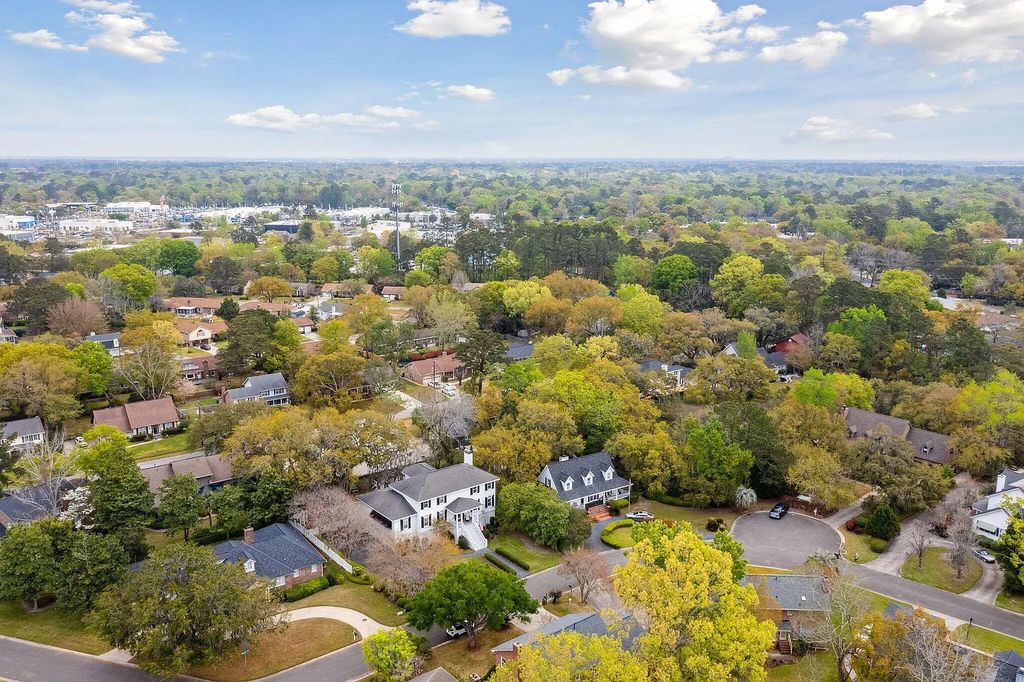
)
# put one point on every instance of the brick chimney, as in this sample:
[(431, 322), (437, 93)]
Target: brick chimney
[(248, 536)]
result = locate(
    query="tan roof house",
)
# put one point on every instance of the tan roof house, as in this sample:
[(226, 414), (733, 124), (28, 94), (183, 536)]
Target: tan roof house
[(148, 417)]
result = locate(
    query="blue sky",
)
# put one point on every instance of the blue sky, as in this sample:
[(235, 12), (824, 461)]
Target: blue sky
[(930, 79)]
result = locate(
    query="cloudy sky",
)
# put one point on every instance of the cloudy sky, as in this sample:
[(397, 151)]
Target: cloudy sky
[(850, 79)]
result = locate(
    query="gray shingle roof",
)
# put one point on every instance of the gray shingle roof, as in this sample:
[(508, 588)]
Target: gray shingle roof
[(388, 504), (1012, 476), (519, 351), (431, 484), (864, 421), (894, 609), (266, 382), (463, 504), (791, 592), (435, 675), (583, 623), (1007, 665), (930, 446), (577, 467), (277, 549), (32, 503), (22, 427)]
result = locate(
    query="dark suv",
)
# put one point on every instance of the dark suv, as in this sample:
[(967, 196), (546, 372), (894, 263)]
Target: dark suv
[(779, 510)]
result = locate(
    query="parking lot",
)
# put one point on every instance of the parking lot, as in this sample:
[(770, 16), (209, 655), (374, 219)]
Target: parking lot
[(785, 542)]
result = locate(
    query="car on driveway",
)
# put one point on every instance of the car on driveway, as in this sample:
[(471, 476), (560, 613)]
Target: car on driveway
[(456, 630), (779, 510), (640, 516), (984, 556)]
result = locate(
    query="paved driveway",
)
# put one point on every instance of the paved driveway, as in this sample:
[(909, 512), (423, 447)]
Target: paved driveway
[(783, 543)]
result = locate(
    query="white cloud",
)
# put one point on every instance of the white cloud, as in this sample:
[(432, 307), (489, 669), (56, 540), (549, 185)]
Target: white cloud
[(729, 56), (280, 118), (639, 79), (919, 111), (412, 94), (391, 112), (471, 92), (118, 27), (759, 33), (813, 51), (828, 129), (561, 76), (954, 30), (43, 39), (827, 26), (447, 18), (664, 34)]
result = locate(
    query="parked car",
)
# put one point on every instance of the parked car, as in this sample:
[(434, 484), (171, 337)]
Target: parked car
[(456, 630), (79, 440), (779, 510), (640, 516), (448, 390), (984, 556)]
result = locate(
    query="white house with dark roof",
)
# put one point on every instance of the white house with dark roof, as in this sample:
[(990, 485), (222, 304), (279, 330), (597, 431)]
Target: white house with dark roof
[(24, 433), (989, 516), (110, 341), (270, 388), (585, 481), (462, 495)]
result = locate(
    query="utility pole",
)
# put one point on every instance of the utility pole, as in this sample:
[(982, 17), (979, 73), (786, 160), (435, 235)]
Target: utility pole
[(396, 190)]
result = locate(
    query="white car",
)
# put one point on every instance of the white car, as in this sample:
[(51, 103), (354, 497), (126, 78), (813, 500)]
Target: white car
[(448, 390), (456, 630), (640, 516)]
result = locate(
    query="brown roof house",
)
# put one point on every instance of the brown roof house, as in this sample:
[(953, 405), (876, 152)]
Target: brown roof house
[(211, 472), (146, 418), (445, 367), (928, 446), (188, 307), (390, 293)]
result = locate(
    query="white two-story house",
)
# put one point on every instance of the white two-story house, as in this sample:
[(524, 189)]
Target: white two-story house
[(24, 433), (461, 495), (989, 516), (270, 388), (585, 481)]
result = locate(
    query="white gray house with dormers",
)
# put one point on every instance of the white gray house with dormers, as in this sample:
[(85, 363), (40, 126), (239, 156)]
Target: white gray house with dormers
[(461, 495), (990, 516), (270, 388), (585, 481)]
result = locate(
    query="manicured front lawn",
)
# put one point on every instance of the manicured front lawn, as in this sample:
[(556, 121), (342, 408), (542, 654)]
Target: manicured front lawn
[(698, 518), (362, 598), (303, 641), (162, 447), (987, 640), (856, 547), (1010, 602), (937, 572), (458, 659), (622, 537), (417, 391), (878, 602), (537, 558), (566, 604), (53, 626), (819, 667)]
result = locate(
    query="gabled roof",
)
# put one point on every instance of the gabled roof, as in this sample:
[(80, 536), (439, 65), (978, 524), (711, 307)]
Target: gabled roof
[(584, 623), (138, 415), (930, 446), (791, 592), (389, 504), (105, 339), (1012, 476), (24, 505), (519, 351), (865, 421), (430, 484), (435, 675), (214, 467), (266, 382), (894, 609), (463, 504), (22, 427), (576, 468), (278, 550)]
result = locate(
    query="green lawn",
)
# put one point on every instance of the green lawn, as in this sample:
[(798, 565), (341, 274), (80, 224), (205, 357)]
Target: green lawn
[(362, 598), (537, 558), (878, 602), (818, 667), (1011, 602), (421, 393), (566, 604), (698, 518), (162, 447), (937, 572), (303, 641), (765, 570), (458, 659), (987, 640), (622, 537), (856, 548), (52, 626)]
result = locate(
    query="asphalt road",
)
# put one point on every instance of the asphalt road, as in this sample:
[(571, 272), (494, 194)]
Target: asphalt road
[(785, 542)]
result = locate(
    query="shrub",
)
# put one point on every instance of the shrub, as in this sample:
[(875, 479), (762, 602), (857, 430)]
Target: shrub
[(402, 602), (555, 595), (714, 525), (877, 545), (463, 542), (335, 574), (505, 554), (360, 579), (498, 563), (305, 589), (618, 505), (665, 498), (883, 523), (861, 521), (851, 524), (606, 534)]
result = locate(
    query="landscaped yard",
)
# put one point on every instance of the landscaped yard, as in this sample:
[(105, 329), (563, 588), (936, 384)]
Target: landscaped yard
[(819, 667), (537, 558), (362, 598), (303, 641), (622, 536), (421, 393), (698, 518), (987, 640), (566, 604), (52, 626), (856, 548), (162, 447), (1011, 602), (458, 659), (937, 572)]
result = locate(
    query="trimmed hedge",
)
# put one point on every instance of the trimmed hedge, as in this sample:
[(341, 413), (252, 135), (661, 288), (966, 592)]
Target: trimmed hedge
[(619, 504), (305, 589), (877, 545), (607, 532), (498, 563), (502, 552)]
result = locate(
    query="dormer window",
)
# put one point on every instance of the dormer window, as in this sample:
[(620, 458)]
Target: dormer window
[(250, 566), (567, 484), (589, 478), (609, 472)]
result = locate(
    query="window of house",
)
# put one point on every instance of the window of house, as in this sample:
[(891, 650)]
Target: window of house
[(441, 500), (425, 505), (588, 479), (250, 566), (567, 485), (426, 522), (489, 502), (489, 486), (405, 524), (279, 581), (297, 573), (475, 490), (609, 473)]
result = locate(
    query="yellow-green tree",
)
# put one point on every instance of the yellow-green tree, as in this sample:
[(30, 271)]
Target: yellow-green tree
[(572, 657)]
